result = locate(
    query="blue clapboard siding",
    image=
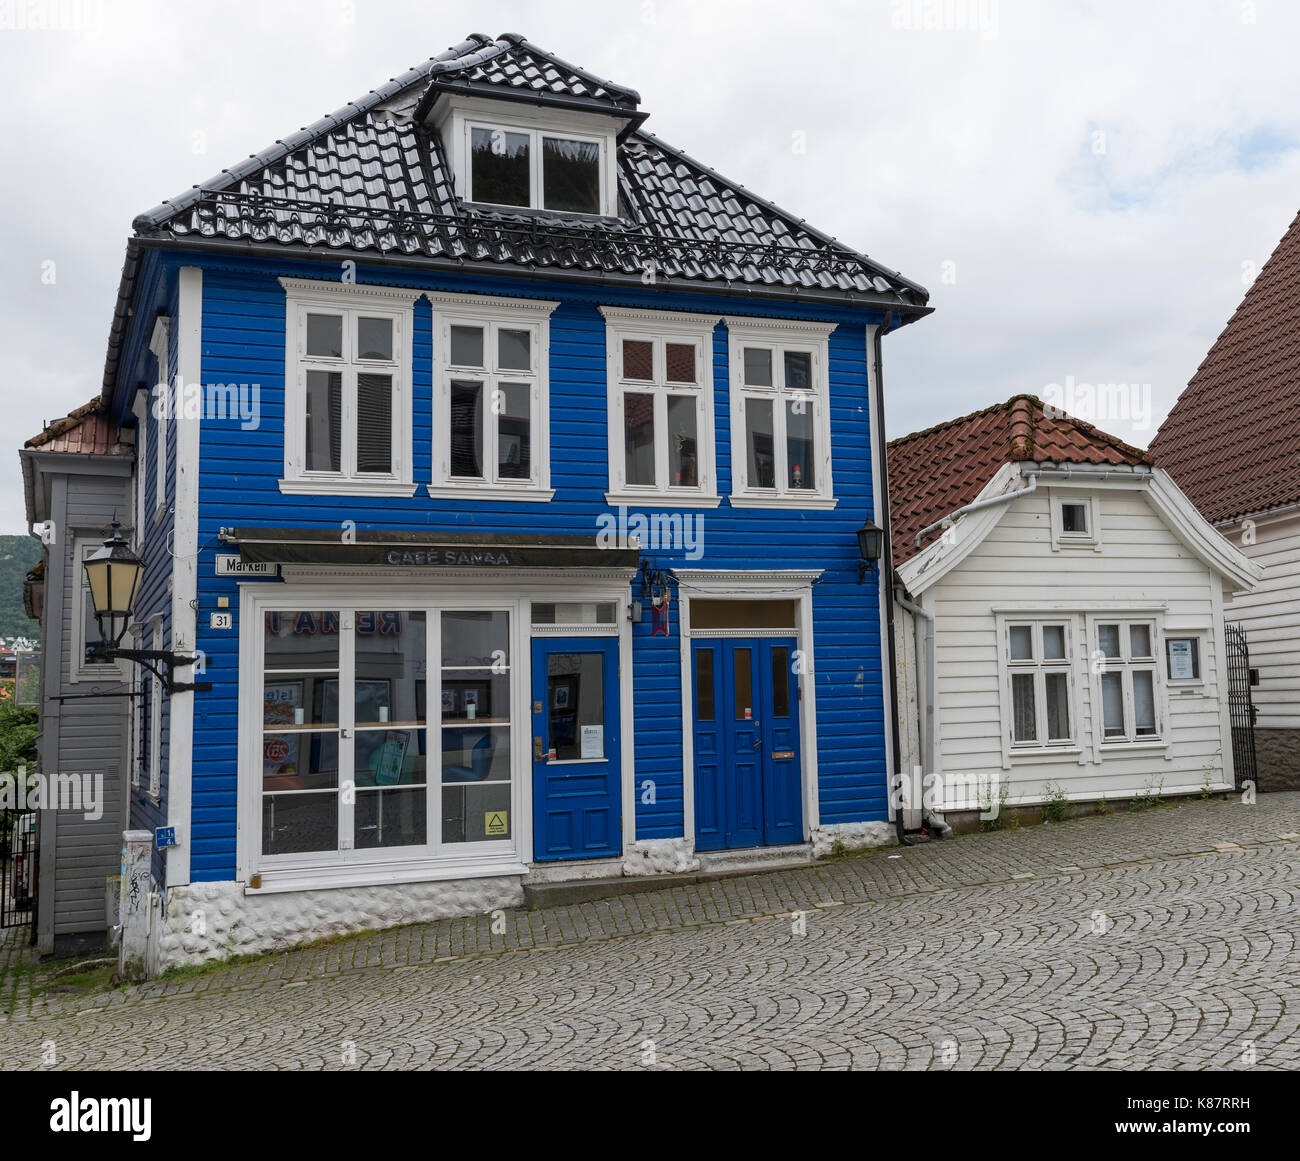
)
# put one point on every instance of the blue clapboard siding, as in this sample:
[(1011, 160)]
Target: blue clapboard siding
[(243, 343)]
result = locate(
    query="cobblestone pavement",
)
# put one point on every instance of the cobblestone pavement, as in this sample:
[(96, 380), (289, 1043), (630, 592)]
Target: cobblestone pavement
[(1166, 939)]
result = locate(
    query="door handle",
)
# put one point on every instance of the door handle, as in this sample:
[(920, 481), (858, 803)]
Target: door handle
[(537, 750)]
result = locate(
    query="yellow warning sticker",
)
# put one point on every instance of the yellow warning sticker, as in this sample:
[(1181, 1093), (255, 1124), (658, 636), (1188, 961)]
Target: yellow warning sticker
[(496, 823)]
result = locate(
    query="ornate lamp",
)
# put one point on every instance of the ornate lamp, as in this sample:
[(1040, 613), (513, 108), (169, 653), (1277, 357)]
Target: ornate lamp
[(871, 541)]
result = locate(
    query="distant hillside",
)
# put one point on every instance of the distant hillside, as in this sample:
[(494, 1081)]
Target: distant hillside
[(17, 555)]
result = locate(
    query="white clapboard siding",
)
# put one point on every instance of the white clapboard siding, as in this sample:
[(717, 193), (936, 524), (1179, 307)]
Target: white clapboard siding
[(1270, 616), (1141, 562)]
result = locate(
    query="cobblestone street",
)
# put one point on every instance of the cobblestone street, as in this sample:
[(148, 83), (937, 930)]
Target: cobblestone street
[(1165, 939)]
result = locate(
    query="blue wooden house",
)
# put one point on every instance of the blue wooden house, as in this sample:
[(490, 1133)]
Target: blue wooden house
[(505, 466)]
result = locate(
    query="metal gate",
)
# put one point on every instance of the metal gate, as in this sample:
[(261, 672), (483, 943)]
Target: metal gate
[(18, 863), (1241, 710)]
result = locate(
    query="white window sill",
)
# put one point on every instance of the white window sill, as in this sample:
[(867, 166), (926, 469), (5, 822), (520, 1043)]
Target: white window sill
[(1044, 753), (810, 502), (661, 500), (471, 491), (427, 870), (346, 487), (1121, 748)]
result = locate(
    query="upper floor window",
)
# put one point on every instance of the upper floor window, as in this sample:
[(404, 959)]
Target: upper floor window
[(660, 400), (347, 389), (160, 406), (780, 414), (491, 409), (1076, 520)]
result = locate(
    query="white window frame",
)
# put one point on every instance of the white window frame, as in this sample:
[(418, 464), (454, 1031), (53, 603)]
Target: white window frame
[(82, 547), (460, 115), (780, 335), (349, 301), (155, 720), (660, 328), (1069, 540), (160, 405), (1126, 665), (492, 314), (140, 478), (1039, 666)]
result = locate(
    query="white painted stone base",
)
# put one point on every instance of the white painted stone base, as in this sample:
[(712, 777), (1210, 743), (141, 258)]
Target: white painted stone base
[(215, 921), (854, 835), (672, 856)]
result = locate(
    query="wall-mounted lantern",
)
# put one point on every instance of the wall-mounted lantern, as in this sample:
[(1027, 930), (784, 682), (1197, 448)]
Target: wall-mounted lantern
[(871, 541)]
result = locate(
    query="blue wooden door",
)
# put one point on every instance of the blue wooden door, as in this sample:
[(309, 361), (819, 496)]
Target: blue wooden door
[(577, 802), (745, 705)]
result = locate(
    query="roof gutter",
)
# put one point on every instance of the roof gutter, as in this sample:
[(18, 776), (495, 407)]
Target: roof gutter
[(978, 505)]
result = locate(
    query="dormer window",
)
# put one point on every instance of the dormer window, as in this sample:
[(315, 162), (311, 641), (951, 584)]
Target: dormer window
[(556, 160)]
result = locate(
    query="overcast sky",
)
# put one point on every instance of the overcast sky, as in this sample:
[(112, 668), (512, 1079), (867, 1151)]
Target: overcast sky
[(1086, 188)]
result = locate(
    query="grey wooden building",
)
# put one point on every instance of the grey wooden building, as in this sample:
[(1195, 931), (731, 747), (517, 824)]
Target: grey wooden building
[(77, 478)]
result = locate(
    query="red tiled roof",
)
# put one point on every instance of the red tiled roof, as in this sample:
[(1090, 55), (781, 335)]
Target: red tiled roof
[(1230, 441), (87, 431), (934, 472)]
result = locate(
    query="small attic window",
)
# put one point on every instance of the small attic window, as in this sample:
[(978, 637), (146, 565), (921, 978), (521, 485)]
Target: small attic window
[(533, 168), (1074, 519)]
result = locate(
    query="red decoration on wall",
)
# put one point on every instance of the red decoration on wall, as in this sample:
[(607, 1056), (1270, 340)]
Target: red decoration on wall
[(659, 618)]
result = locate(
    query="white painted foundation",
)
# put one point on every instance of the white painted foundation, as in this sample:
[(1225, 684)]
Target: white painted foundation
[(854, 835)]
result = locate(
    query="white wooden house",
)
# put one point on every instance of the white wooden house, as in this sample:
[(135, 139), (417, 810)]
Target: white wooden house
[(1230, 442), (1059, 616)]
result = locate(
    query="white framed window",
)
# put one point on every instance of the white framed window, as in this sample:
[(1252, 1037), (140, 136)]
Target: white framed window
[(348, 360), (554, 160), (160, 406), (491, 426), (660, 400), (1039, 702), (140, 479), (87, 662), (155, 720), (1127, 680), (1076, 520), (780, 413), (1183, 659)]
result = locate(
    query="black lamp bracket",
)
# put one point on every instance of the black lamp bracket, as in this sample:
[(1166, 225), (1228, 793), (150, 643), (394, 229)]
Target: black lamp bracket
[(166, 662)]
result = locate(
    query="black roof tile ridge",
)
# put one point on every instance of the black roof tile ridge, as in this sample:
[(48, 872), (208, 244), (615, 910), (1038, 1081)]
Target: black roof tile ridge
[(522, 41), (786, 215), (287, 145)]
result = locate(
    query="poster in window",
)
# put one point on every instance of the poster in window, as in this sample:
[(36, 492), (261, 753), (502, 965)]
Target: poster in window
[(1182, 659)]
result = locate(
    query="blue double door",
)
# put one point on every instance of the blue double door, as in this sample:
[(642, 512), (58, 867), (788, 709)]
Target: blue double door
[(748, 784), (577, 801)]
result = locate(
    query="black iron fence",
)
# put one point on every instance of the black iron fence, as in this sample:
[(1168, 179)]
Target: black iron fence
[(1241, 709), (18, 867)]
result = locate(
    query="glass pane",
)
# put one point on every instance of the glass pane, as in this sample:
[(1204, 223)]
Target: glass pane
[(325, 336), (375, 423), (575, 698), (475, 640), (1112, 705), (1108, 640), (292, 823), (324, 421), (1144, 703), (299, 701), (394, 817), (466, 430), (514, 350), (1057, 695), (1074, 518), (301, 759), (514, 432), (501, 172), (680, 360), (759, 443), (571, 175), (301, 639), (725, 614), (1022, 643), (744, 688), (1054, 642), (1183, 656), (638, 360), (478, 697), (781, 682), (478, 753), (1024, 720), (574, 612), (476, 812), (704, 685), (799, 445), (467, 346), (390, 669), (375, 338), (798, 370), (93, 650), (639, 437), (683, 454), (758, 366), (1139, 641)]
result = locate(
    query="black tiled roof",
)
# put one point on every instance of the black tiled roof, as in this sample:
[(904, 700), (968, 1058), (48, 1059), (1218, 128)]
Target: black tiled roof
[(370, 179)]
